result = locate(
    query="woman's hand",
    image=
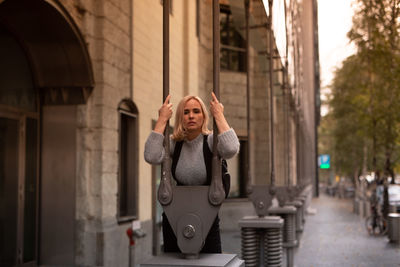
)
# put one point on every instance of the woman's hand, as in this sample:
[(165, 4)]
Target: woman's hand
[(217, 111), (216, 108), (164, 114)]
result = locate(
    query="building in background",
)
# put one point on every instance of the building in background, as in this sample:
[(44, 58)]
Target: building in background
[(80, 89)]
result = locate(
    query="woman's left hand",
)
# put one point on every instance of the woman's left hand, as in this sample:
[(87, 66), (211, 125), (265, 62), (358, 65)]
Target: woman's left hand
[(216, 108)]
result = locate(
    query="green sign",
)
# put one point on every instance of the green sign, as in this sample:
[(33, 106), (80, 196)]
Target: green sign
[(324, 166)]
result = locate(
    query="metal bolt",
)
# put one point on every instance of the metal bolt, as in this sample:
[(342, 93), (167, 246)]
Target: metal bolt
[(272, 190), (189, 231), (215, 197), (249, 189)]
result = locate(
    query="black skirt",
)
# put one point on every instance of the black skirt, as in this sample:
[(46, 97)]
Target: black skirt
[(212, 244)]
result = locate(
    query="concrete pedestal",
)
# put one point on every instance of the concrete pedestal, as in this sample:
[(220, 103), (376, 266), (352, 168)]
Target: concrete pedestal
[(214, 260)]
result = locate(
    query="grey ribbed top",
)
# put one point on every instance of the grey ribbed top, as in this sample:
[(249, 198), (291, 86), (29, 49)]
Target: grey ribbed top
[(191, 168)]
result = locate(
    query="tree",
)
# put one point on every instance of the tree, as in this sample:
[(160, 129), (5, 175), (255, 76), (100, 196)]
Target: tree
[(375, 32), (349, 104), (366, 92)]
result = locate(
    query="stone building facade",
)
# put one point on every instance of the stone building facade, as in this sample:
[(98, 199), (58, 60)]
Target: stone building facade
[(80, 89)]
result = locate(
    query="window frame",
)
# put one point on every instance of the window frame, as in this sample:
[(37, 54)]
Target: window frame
[(127, 108)]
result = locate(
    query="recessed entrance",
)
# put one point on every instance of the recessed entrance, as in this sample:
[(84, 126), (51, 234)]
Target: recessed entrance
[(45, 72)]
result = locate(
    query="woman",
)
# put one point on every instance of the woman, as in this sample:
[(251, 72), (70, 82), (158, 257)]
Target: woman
[(190, 168)]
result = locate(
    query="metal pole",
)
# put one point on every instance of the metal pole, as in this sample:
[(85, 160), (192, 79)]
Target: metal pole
[(216, 193), (165, 189), (286, 101), (317, 94), (216, 61), (284, 129), (271, 93), (297, 118), (166, 61), (286, 123), (247, 11)]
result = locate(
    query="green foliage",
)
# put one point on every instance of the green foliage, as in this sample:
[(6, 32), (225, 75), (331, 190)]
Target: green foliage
[(366, 93)]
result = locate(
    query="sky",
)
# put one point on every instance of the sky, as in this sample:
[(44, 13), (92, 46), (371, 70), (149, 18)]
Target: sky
[(334, 21)]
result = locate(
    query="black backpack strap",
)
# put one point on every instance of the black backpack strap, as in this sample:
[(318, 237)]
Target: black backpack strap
[(207, 154), (175, 157), (226, 178)]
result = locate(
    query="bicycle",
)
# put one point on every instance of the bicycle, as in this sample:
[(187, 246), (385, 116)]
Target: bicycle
[(376, 224)]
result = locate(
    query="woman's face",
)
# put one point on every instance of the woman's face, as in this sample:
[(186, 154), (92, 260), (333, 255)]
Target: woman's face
[(193, 117)]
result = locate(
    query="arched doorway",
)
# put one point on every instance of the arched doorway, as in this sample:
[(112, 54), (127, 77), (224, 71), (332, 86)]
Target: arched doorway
[(45, 71)]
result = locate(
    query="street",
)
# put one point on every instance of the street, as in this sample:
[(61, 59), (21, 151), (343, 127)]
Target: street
[(333, 236)]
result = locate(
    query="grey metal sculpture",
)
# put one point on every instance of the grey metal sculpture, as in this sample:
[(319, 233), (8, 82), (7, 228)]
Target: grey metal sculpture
[(191, 210), (190, 222)]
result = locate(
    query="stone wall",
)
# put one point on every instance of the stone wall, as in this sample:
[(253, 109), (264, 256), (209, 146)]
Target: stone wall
[(106, 28)]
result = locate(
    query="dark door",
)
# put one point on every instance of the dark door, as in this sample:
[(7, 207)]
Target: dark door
[(18, 189), (9, 129)]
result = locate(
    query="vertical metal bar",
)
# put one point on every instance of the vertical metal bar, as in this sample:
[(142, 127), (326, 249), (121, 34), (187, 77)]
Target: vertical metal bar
[(166, 63), (216, 48), (288, 133), (271, 95), (247, 13), (165, 190), (131, 4), (298, 180), (287, 99), (317, 93), (198, 18), (216, 66), (216, 193), (286, 122), (284, 128)]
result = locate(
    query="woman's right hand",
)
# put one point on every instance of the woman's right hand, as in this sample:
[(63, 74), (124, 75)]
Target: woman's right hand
[(164, 114)]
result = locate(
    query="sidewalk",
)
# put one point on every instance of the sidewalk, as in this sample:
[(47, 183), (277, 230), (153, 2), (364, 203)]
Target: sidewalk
[(333, 236)]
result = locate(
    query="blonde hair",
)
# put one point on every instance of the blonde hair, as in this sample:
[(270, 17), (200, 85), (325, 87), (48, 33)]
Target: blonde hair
[(179, 131)]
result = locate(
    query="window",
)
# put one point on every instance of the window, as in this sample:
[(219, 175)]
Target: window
[(233, 46), (128, 161)]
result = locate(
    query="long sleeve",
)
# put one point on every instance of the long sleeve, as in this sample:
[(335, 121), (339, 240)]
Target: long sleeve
[(228, 144), (154, 151)]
